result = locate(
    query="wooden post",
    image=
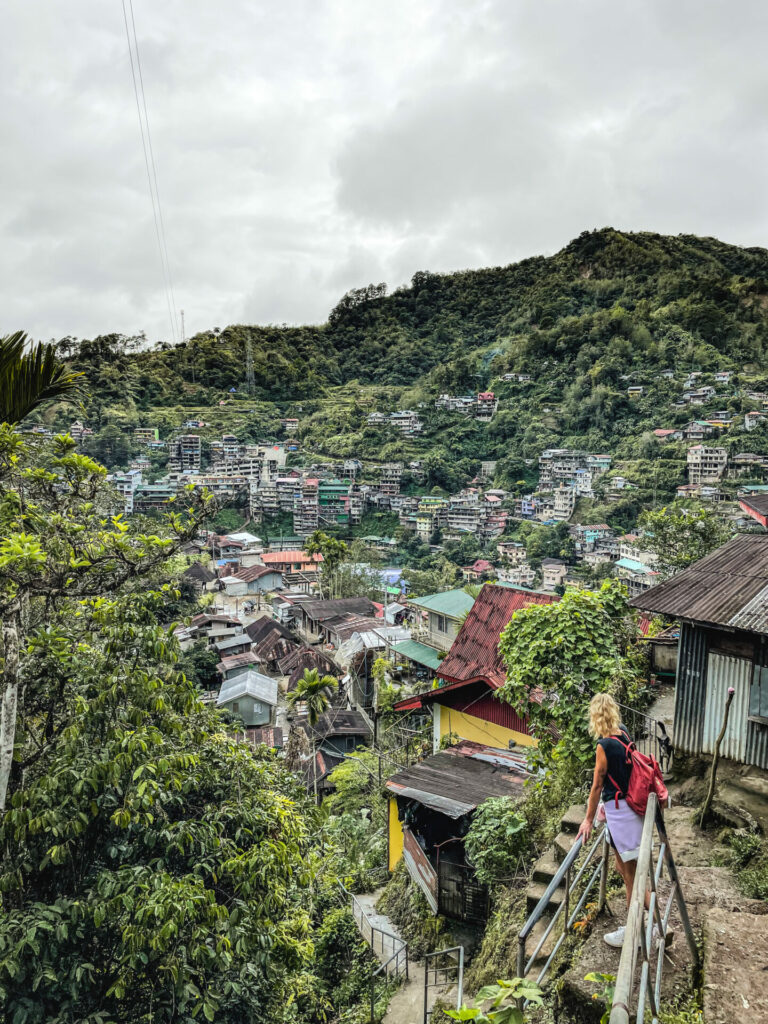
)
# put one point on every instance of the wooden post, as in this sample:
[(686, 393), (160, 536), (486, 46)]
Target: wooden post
[(715, 758)]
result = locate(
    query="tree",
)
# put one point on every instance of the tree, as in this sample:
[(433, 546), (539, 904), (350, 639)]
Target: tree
[(60, 543), (153, 868), (497, 839), (29, 378), (680, 535), (314, 692), (558, 656), (333, 552)]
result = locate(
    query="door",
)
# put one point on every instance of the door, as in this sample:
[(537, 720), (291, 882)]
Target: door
[(725, 671)]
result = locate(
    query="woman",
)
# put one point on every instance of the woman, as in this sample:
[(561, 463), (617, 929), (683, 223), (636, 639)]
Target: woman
[(611, 779)]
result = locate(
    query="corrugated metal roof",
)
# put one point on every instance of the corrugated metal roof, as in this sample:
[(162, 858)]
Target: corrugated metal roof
[(726, 588), (755, 502), (453, 603), (457, 780), (251, 684), (474, 653), (420, 653)]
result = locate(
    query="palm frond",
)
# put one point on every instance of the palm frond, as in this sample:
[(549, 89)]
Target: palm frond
[(29, 377)]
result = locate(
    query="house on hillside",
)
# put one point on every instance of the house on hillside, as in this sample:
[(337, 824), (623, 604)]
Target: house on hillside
[(199, 576), (231, 646), (463, 703), (721, 602), (250, 695), (553, 573), (436, 621), (481, 569), (431, 804), (756, 506), (235, 664), (255, 579)]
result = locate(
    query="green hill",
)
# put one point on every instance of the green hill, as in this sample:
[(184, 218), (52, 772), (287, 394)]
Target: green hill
[(612, 309)]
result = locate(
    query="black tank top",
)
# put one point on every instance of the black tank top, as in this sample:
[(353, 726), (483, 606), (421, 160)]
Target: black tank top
[(617, 776)]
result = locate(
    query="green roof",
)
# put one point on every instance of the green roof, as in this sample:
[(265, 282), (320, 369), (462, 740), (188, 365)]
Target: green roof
[(420, 653), (452, 603)]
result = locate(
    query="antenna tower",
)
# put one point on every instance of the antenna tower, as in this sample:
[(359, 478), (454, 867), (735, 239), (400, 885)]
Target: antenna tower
[(249, 374)]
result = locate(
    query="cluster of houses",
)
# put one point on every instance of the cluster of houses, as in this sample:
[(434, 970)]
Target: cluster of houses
[(481, 406), (405, 421)]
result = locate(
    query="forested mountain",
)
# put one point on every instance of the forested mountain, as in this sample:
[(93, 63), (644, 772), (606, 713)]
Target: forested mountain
[(609, 311), (619, 299)]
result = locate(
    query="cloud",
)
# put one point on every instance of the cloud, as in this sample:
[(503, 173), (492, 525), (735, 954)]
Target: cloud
[(318, 145)]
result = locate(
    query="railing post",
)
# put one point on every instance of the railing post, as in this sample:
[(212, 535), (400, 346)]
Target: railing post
[(626, 972), (604, 873), (373, 997), (521, 958), (567, 901), (460, 986), (675, 880), (426, 985)]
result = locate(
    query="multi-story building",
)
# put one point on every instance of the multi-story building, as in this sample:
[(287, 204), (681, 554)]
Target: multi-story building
[(305, 510), (487, 404), (519, 575), (148, 497), (222, 485), (565, 502), (184, 454), (752, 419), (377, 419), (406, 421), (706, 465), (464, 404), (351, 468), (390, 476), (143, 435), (333, 502), (565, 466), (126, 484)]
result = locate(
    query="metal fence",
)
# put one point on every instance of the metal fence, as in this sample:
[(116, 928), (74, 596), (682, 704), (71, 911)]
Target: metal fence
[(640, 942), (390, 949), (649, 734), (575, 893), (441, 969)]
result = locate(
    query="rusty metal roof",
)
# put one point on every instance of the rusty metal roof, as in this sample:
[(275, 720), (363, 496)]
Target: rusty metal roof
[(457, 780), (474, 654), (726, 588)]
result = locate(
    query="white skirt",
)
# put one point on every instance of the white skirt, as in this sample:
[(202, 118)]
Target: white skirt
[(625, 828)]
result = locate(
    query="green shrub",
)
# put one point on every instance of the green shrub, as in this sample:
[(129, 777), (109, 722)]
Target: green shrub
[(744, 846), (497, 839)]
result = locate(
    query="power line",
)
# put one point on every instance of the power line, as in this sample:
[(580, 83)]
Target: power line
[(154, 199), (152, 162)]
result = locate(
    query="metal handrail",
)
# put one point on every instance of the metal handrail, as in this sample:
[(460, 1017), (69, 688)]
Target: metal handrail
[(640, 924), (564, 874), (399, 954), (457, 966)]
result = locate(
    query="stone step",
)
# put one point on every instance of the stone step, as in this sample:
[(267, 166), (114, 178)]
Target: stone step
[(573, 817), (545, 868), (533, 940), (536, 890), (562, 846)]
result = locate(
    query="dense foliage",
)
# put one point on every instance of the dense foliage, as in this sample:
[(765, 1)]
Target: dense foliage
[(497, 839), (558, 656)]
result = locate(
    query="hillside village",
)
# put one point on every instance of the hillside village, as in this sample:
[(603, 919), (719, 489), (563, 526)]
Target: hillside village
[(394, 601)]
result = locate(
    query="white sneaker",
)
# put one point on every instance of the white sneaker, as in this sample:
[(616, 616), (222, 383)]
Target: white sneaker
[(615, 939)]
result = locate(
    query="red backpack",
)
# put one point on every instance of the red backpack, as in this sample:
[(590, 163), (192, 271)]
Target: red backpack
[(644, 778)]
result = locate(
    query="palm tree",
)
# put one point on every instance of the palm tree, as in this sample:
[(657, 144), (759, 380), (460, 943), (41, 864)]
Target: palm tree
[(314, 692), (28, 378)]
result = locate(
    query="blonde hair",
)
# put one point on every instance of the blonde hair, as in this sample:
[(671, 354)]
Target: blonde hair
[(604, 716)]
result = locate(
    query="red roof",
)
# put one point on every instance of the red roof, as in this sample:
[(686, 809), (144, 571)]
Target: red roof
[(474, 653), (254, 572), (279, 557), (488, 396)]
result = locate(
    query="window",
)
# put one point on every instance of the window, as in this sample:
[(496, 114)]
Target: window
[(758, 693), (440, 624), (235, 706)]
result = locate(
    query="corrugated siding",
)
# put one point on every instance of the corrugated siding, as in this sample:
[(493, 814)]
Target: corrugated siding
[(757, 744), (724, 671), (690, 689), (491, 709), (419, 868)]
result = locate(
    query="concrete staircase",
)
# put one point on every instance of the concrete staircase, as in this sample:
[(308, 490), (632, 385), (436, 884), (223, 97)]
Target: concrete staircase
[(545, 868)]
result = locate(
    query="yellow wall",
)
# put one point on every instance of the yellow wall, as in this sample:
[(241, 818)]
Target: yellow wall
[(395, 835), (478, 730)]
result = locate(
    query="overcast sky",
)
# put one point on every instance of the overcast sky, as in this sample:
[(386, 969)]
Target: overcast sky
[(305, 147)]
